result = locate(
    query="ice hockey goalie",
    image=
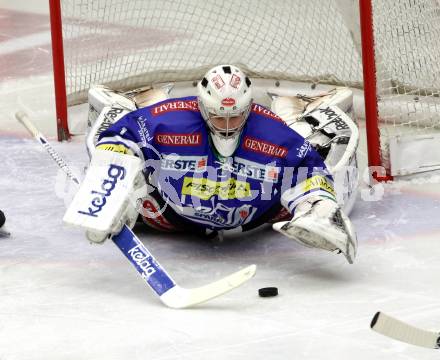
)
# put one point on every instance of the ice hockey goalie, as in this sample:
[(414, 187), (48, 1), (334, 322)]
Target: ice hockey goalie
[(219, 162)]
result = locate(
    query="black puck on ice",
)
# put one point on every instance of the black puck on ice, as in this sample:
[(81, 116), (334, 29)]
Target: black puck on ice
[(2, 218), (268, 291)]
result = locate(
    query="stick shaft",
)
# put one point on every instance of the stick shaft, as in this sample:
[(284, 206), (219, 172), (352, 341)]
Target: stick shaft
[(27, 123)]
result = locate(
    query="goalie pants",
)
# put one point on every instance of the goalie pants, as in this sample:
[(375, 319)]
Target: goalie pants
[(156, 214)]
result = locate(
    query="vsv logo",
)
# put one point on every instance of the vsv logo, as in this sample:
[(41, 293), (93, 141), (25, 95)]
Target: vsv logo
[(115, 173)]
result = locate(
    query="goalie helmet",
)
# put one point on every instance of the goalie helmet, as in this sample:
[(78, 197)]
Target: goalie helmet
[(225, 98)]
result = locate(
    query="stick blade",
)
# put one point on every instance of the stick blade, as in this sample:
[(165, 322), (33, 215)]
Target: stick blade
[(178, 297), (398, 330)]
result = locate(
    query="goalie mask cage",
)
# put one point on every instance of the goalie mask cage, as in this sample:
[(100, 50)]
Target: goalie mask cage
[(388, 48)]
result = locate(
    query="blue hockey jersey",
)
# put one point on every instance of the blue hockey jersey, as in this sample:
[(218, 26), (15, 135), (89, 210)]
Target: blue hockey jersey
[(272, 164)]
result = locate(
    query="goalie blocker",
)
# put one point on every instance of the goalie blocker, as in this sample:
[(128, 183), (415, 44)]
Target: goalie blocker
[(106, 199)]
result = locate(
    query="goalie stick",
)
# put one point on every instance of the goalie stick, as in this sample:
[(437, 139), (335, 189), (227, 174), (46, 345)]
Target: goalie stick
[(145, 263), (399, 330), (163, 285)]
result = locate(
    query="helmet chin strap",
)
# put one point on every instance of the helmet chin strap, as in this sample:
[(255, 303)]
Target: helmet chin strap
[(225, 147)]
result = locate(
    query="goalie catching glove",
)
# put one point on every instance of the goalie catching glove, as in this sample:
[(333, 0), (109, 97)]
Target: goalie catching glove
[(319, 222)]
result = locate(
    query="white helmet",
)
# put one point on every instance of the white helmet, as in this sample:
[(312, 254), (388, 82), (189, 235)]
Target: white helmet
[(225, 98)]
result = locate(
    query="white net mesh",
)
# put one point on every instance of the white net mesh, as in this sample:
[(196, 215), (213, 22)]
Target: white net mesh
[(408, 67), (129, 43), (111, 40)]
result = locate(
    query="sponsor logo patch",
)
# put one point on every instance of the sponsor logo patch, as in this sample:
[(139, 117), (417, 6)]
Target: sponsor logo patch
[(218, 81), (228, 102), (178, 105), (119, 148), (235, 81), (115, 174), (331, 114), (114, 113), (272, 174), (318, 182), (143, 259), (170, 139), (261, 110), (184, 163), (255, 170), (205, 188), (264, 147), (110, 118)]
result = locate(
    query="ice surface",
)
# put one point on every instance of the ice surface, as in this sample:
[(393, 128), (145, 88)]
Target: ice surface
[(62, 298)]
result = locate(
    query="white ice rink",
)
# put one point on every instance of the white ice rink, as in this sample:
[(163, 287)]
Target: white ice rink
[(62, 298)]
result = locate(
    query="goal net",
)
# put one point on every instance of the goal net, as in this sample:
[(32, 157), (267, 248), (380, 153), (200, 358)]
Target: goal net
[(131, 43)]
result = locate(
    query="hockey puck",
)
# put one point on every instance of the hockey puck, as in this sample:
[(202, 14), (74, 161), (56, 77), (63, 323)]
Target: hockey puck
[(268, 291), (2, 218)]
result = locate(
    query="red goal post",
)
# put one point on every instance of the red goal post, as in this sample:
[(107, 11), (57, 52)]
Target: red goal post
[(56, 28), (388, 49)]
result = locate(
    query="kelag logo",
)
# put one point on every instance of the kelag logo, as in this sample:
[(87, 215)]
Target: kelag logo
[(115, 173), (144, 260)]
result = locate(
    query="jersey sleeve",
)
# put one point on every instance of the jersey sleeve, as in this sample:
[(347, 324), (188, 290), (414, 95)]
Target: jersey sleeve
[(310, 178), (122, 137)]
